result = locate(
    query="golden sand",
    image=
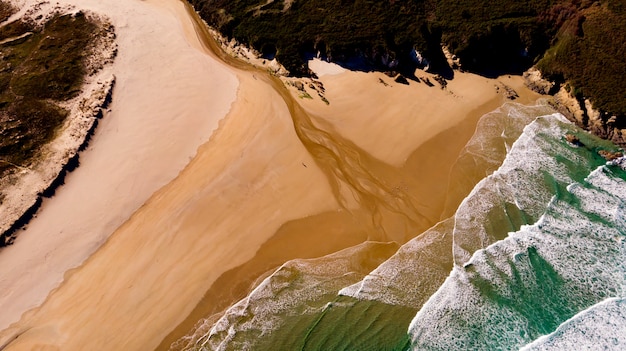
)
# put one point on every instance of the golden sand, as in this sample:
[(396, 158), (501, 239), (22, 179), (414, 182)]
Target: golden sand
[(167, 101), (281, 178)]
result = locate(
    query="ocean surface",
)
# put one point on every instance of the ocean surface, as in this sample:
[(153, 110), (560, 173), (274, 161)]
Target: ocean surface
[(534, 258)]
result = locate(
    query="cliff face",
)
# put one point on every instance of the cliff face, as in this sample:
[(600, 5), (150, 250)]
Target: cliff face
[(586, 64), (579, 110), (384, 35), (578, 45), (583, 113)]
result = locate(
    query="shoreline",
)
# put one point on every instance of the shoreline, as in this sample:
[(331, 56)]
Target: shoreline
[(236, 283), (258, 172)]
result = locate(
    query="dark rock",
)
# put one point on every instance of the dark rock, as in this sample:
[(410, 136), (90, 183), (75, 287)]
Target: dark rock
[(401, 79), (536, 82), (442, 81), (572, 139), (609, 155), (509, 92)]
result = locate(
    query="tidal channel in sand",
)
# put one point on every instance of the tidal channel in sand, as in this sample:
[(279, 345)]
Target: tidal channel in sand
[(280, 179)]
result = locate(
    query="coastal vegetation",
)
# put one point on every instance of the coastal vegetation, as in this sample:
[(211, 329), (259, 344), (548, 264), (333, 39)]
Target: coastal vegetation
[(6, 10), (40, 67), (580, 42), (588, 53)]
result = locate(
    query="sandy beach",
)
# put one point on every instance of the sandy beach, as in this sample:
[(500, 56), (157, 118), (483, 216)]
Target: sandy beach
[(417, 129), (279, 172), (404, 117), (141, 143)]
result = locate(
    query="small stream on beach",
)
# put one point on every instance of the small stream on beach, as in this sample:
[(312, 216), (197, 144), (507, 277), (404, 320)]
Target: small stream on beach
[(365, 187), (352, 172), (537, 248)]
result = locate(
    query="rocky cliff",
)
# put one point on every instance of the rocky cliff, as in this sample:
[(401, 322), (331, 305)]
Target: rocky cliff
[(577, 45)]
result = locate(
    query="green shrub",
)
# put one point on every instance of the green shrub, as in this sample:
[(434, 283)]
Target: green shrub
[(589, 53), (36, 72), (583, 40), (479, 31)]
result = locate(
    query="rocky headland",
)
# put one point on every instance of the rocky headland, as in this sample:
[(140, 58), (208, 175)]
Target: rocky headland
[(579, 109)]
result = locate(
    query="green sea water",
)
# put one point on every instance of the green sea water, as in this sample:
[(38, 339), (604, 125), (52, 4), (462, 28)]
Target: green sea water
[(521, 286), (533, 246), (346, 324)]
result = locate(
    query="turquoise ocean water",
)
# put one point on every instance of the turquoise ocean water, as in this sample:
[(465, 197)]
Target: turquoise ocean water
[(533, 258)]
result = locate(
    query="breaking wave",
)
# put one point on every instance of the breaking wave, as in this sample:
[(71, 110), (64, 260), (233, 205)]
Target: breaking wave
[(515, 281), (533, 257)]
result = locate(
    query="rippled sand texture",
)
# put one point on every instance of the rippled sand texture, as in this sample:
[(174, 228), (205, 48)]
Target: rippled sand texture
[(289, 310), (277, 181)]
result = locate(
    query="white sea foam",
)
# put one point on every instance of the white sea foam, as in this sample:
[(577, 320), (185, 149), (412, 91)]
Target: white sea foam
[(410, 276), (498, 300), (514, 290), (600, 327), (495, 134), (298, 287), (417, 270), (519, 191), (620, 162)]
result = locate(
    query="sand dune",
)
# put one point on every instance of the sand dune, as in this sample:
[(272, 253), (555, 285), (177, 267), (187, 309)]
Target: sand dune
[(281, 178)]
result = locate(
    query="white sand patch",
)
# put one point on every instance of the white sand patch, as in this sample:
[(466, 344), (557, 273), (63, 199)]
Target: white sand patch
[(323, 68)]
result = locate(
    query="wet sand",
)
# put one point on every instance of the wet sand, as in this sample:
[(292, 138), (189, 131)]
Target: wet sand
[(281, 178), (418, 130)]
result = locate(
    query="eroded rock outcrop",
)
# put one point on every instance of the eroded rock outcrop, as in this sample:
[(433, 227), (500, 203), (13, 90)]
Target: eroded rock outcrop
[(579, 110)]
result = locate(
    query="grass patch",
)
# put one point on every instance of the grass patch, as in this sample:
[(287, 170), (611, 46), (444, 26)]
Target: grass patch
[(305, 95), (36, 72), (54, 68), (589, 53)]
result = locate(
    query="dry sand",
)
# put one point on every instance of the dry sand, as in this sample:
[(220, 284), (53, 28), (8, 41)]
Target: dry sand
[(273, 183), (140, 145), (403, 117), (417, 129)]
